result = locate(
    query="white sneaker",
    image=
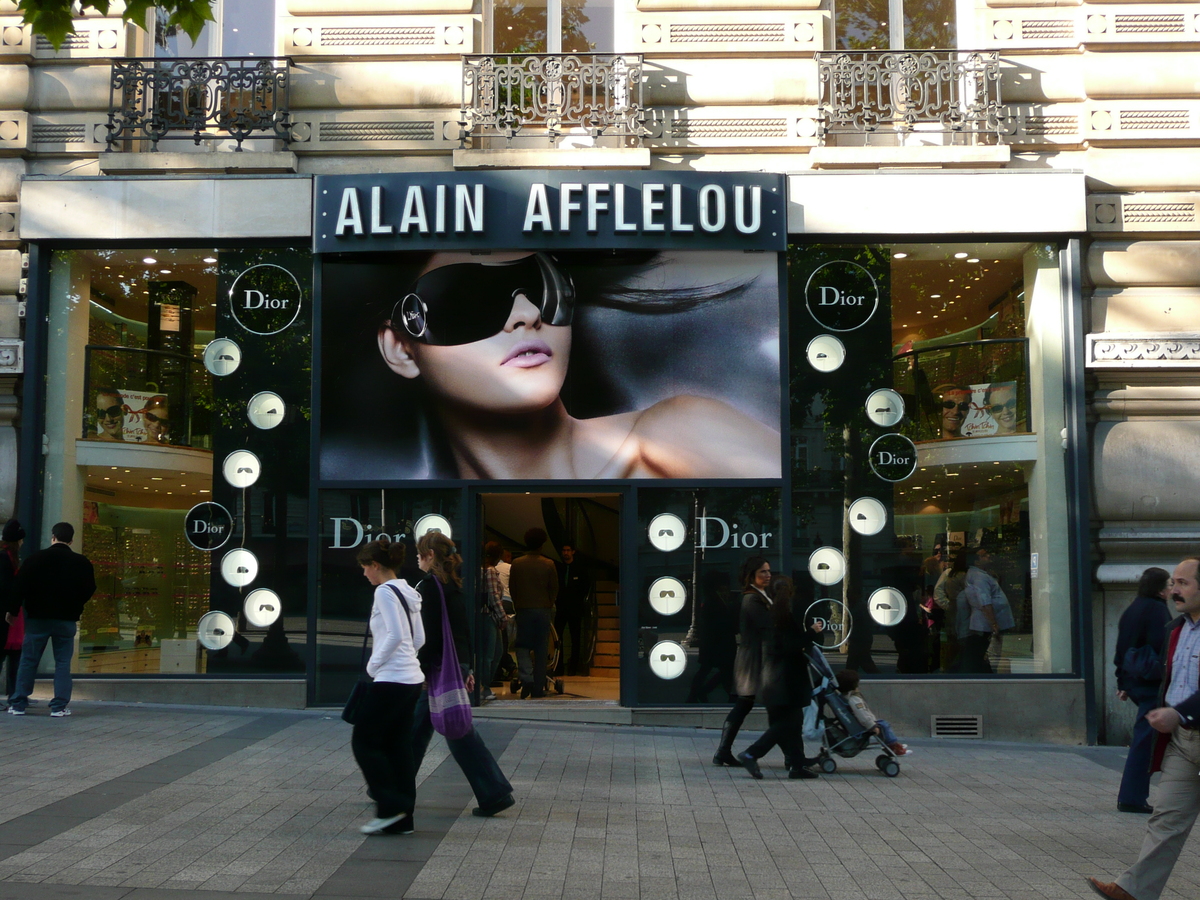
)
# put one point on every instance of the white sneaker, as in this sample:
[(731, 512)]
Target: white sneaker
[(376, 826), (13, 711), (59, 713)]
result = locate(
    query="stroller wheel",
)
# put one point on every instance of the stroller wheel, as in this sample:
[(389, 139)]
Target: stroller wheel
[(891, 768), (515, 686), (882, 760), (559, 686), (828, 765)]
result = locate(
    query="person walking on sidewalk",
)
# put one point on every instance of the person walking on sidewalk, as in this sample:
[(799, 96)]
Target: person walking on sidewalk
[(381, 740), (52, 586), (1141, 634), (11, 636), (441, 564), (753, 624), (1176, 750), (785, 686)]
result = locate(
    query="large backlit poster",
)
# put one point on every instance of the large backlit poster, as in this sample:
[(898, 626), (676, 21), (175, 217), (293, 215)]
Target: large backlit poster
[(550, 365)]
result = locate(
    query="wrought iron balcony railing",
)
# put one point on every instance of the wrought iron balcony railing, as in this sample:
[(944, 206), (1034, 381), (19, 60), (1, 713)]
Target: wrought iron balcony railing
[(893, 95), (235, 98), (595, 95)]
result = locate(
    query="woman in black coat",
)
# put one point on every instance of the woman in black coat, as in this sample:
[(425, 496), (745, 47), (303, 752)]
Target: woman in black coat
[(753, 623), (784, 686)]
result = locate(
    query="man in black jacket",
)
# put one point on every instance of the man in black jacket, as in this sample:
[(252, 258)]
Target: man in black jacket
[(1143, 624), (1176, 750), (53, 585)]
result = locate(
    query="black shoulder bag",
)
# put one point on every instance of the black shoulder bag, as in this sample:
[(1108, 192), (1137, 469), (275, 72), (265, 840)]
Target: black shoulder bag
[(358, 694)]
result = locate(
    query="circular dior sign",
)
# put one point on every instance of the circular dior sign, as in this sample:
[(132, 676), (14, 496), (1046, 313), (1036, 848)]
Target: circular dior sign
[(262, 608), (667, 660), (893, 457), (667, 596), (207, 526), (222, 357), (835, 620), (429, 523), (887, 606), (239, 567), (867, 515), (827, 566), (265, 299), (841, 295), (265, 410), (215, 630), (241, 468), (885, 408), (667, 532), (826, 353)]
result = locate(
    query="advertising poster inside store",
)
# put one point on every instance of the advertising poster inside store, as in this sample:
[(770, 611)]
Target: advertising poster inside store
[(537, 365)]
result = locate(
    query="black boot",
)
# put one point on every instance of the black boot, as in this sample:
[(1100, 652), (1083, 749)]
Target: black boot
[(724, 754)]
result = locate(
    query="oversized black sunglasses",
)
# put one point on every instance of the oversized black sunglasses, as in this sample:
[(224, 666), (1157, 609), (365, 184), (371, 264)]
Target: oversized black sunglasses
[(962, 407), (467, 302), (111, 413)]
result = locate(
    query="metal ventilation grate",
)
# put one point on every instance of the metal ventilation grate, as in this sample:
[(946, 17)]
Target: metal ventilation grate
[(956, 726)]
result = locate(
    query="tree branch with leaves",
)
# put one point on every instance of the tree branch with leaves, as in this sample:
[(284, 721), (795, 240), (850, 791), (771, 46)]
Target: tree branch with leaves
[(54, 19)]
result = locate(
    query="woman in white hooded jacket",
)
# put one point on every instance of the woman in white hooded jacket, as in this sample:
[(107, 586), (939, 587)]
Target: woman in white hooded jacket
[(382, 736)]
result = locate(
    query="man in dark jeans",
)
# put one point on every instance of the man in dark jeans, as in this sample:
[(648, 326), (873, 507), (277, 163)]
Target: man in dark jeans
[(574, 595), (1143, 623), (533, 583), (53, 585)]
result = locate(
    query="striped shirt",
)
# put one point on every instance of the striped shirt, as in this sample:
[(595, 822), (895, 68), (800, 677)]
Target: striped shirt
[(1185, 664)]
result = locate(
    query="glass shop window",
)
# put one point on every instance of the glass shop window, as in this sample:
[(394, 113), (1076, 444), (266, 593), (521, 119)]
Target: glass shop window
[(143, 427), (928, 507)]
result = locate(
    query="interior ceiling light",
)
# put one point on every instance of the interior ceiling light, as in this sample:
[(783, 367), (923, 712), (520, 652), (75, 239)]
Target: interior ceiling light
[(935, 296), (972, 260), (149, 260), (961, 255), (210, 259), (164, 271), (899, 256)]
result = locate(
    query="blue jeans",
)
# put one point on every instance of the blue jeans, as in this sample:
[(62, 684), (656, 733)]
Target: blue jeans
[(1135, 782), (62, 635), (885, 732), (471, 754)]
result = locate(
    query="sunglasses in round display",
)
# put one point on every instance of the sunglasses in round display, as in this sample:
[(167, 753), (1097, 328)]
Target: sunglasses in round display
[(467, 302), (111, 413), (962, 407), (996, 408)]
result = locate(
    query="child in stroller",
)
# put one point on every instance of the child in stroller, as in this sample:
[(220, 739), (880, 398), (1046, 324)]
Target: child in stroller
[(842, 731)]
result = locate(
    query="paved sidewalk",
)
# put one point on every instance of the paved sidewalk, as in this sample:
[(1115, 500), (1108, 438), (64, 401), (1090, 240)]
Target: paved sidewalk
[(153, 802)]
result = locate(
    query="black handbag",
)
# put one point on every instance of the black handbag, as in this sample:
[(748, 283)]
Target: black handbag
[(1142, 663), (358, 694)]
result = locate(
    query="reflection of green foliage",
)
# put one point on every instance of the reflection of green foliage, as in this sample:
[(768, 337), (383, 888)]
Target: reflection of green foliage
[(520, 27), (863, 25)]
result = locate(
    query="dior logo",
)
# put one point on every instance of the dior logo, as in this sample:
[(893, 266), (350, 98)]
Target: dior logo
[(831, 296)]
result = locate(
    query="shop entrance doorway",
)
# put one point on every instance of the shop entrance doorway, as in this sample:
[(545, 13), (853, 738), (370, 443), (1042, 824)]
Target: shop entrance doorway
[(583, 540)]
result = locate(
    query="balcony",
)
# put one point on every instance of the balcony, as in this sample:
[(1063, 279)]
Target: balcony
[(913, 99), (233, 98), (584, 100)]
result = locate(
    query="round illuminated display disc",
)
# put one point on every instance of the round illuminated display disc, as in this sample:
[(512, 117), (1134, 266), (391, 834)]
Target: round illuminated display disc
[(667, 596), (836, 620), (667, 532), (432, 522), (826, 353), (262, 607), (893, 457), (239, 567), (222, 357), (887, 606), (265, 410), (885, 408), (207, 526), (667, 660), (241, 468), (867, 515), (215, 630), (826, 565), (265, 299)]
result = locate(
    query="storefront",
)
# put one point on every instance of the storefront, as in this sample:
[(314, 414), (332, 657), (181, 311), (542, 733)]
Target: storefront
[(670, 372)]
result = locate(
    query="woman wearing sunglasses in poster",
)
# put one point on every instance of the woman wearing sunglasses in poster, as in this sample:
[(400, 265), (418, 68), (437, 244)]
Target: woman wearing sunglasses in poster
[(488, 340)]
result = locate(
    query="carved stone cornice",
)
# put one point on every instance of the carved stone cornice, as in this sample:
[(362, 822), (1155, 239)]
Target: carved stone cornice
[(1143, 351)]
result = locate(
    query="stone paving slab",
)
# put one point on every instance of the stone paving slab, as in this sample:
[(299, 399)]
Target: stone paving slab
[(168, 803)]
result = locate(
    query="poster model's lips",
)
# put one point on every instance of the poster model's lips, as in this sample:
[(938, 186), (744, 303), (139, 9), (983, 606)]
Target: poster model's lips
[(528, 354)]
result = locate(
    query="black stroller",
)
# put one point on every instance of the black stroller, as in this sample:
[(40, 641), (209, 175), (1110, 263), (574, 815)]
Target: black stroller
[(841, 732)]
